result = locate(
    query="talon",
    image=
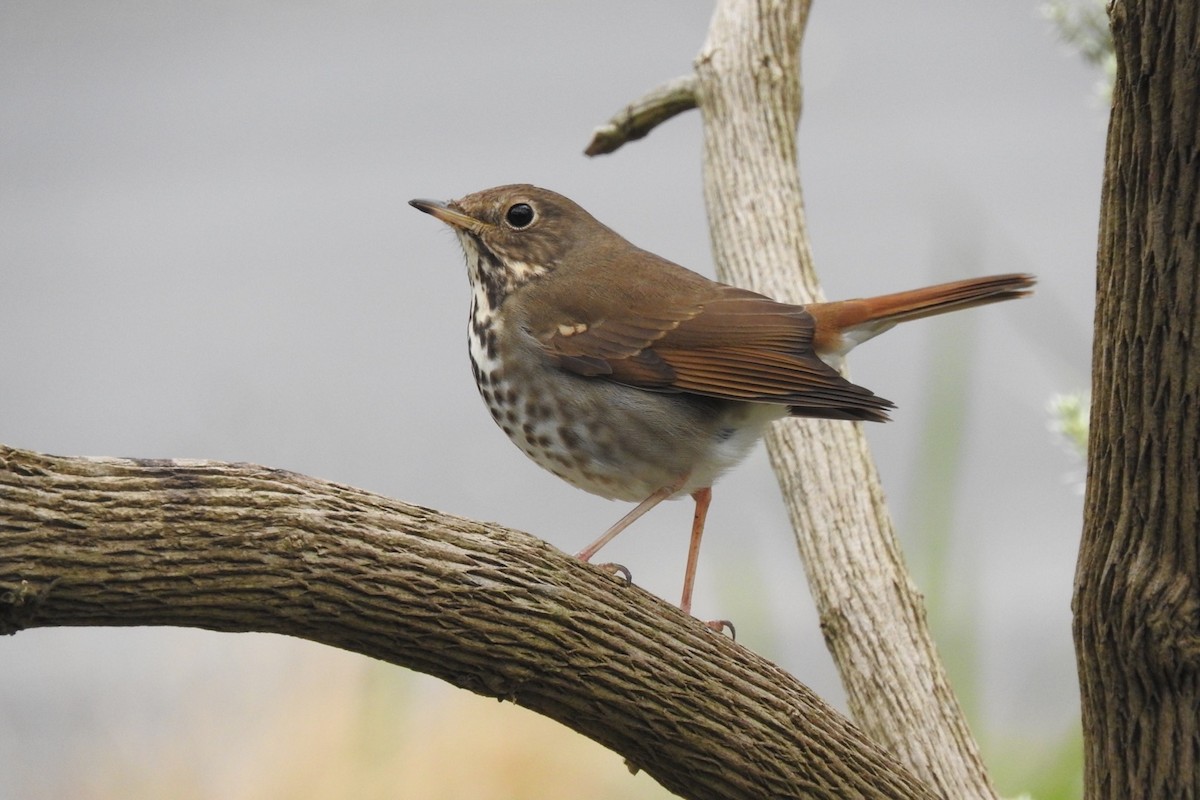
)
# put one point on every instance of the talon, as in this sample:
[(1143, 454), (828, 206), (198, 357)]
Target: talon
[(618, 569), (719, 626)]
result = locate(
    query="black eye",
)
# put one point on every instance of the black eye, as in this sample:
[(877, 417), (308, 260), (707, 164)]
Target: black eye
[(519, 216)]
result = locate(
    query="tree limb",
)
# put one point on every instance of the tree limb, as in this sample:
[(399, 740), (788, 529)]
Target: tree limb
[(749, 94), (238, 547), (644, 115), (871, 613)]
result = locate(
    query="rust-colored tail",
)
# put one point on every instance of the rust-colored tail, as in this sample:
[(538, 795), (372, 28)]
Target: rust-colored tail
[(843, 324)]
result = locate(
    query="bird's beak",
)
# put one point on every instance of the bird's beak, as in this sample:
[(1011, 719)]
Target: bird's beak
[(448, 215)]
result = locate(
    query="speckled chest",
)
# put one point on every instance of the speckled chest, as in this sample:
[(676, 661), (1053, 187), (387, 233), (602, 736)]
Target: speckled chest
[(525, 397), (541, 411)]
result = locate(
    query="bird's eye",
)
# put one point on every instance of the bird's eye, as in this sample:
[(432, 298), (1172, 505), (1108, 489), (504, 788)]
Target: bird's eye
[(519, 216)]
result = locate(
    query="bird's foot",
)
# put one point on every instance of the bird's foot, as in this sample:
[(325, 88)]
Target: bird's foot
[(617, 569), (720, 625)]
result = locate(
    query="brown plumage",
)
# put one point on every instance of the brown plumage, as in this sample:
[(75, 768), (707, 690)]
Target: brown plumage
[(635, 378)]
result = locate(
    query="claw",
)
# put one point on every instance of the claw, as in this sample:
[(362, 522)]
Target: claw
[(618, 569), (719, 626)]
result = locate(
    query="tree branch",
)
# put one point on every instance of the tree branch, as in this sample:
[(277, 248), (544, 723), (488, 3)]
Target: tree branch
[(871, 613), (644, 115), (749, 94), (238, 547)]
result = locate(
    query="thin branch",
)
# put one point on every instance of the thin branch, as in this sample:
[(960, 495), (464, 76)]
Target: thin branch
[(643, 115), (238, 547)]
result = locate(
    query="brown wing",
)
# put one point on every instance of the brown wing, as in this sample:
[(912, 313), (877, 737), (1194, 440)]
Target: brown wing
[(720, 342)]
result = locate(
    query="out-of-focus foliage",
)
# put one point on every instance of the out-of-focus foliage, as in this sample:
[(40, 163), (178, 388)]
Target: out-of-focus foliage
[(1083, 24)]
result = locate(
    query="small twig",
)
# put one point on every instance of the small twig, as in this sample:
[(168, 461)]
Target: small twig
[(643, 115)]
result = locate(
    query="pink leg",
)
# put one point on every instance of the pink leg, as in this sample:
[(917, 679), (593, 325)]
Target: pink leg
[(702, 497), (624, 522)]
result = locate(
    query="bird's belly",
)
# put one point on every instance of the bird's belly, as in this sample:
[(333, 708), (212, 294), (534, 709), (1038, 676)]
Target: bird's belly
[(621, 442)]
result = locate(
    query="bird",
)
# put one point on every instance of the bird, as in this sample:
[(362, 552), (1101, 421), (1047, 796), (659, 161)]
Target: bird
[(637, 379)]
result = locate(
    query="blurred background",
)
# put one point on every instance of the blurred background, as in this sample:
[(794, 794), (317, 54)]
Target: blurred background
[(206, 252)]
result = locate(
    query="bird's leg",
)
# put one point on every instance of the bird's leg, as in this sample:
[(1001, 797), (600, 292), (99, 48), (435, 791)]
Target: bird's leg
[(702, 497), (624, 522)]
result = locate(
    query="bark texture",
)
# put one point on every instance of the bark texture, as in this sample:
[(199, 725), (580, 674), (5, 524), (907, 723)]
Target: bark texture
[(1137, 587), (237, 547), (872, 615), (643, 115)]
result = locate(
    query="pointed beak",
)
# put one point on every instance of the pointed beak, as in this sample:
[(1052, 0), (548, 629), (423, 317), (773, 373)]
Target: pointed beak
[(448, 215)]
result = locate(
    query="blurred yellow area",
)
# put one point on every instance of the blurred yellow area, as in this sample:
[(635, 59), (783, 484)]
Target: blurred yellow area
[(343, 726)]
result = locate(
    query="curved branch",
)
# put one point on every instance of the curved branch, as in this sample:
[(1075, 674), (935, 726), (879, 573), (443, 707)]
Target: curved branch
[(238, 547), (644, 115)]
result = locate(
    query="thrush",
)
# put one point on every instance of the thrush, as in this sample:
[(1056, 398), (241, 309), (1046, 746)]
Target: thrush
[(636, 379)]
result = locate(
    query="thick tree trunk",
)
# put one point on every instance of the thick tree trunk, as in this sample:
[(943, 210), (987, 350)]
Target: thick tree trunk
[(1137, 590)]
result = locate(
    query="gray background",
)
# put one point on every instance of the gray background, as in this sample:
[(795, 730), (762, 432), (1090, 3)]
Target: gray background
[(206, 252)]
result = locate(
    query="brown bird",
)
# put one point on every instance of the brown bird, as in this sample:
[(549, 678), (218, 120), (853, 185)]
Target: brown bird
[(636, 379)]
